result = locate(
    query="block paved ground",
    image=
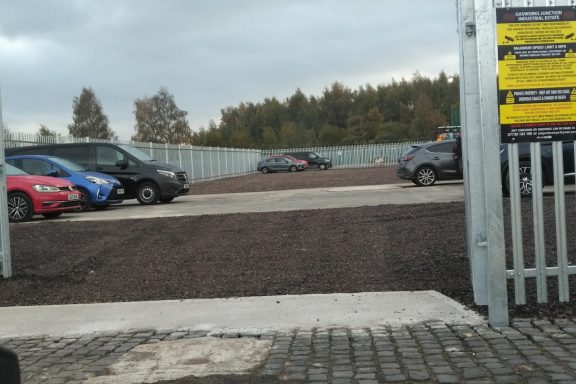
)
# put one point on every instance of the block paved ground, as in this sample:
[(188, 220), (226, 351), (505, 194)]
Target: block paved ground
[(529, 351)]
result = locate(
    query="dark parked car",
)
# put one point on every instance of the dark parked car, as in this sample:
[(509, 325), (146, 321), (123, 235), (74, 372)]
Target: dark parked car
[(427, 163), (142, 177), (526, 167), (313, 159), (277, 164)]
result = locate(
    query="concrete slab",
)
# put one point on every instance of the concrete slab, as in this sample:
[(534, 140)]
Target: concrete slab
[(172, 360), (352, 310)]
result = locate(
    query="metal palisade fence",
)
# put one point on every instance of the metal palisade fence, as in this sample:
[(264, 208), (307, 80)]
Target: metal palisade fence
[(356, 156), (209, 163)]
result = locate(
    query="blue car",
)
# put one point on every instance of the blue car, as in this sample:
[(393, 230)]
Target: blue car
[(97, 190)]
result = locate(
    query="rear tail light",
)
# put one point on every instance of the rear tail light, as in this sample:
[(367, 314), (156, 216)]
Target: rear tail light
[(407, 158)]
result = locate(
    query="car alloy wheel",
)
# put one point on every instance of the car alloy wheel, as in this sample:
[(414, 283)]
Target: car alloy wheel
[(19, 207), (525, 180), (425, 176)]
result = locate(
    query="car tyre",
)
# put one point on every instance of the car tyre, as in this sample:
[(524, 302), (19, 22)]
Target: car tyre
[(20, 207), (425, 176), (84, 201), (292, 168), (147, 193), (323, 167), (264, 170)]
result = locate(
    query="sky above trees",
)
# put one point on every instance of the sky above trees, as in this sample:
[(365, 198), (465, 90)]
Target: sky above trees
[(208, 54)]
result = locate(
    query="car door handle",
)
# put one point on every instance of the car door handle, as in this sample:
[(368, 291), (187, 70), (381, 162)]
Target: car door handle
[(435, 158)]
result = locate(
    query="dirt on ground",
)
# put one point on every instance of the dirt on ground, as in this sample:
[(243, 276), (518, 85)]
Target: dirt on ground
[(383, 248)]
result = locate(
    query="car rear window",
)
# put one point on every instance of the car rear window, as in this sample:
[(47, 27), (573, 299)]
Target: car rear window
[(442, 148), (413, 149)]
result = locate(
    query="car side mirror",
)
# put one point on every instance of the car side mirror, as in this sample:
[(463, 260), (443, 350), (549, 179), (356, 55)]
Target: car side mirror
[(123, 164), (52, 173)]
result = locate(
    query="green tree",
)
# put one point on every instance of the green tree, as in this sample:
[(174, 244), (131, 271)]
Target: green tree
[(45, 132), (88, 119), (208, 138), (426, 119), (159, 120), (269, 137)]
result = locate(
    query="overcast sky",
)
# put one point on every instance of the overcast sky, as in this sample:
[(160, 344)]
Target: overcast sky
[(208, 54)]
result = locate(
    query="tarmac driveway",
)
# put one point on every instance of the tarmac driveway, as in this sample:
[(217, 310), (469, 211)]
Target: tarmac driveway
[(287, 200)]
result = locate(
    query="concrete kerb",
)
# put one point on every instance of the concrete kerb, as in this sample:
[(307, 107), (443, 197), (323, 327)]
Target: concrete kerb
[(352, 310)]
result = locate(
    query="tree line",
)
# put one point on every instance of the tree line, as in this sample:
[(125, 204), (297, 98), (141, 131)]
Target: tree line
[(398, 111)]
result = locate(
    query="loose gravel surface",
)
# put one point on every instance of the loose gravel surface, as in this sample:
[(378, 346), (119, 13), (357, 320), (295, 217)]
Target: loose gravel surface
[(383, 248)]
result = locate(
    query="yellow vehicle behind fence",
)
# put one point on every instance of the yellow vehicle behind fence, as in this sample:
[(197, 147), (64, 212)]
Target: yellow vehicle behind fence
[(447, 132)]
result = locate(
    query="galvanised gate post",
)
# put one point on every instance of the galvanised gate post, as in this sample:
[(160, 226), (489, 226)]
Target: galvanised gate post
[(5, 257), (480, 146)]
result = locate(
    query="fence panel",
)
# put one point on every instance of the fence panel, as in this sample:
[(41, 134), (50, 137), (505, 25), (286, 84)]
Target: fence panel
[(537, 264), (356, 156), (209, 163)]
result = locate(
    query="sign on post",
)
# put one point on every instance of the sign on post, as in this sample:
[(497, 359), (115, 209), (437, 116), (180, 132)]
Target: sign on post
[(537, 73)]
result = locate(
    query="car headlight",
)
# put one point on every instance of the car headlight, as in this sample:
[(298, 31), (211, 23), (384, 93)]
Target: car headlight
[(45, 188), (168, 174), (96, 180)]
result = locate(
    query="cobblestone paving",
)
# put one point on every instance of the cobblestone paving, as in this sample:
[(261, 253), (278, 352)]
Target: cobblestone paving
[(529, 351)]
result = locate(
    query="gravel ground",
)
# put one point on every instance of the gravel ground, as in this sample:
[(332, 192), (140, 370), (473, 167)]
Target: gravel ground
[(383, 248)]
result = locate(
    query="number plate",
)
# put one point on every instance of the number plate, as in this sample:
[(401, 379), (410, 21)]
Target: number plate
[(120, 191), (73, 196), (186, 186)]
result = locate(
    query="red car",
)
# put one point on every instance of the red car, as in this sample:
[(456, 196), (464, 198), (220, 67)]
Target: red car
[(298, 161), (38, 195)]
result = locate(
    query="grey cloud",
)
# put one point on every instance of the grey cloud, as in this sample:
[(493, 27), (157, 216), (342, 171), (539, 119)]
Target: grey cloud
[(210, 54)]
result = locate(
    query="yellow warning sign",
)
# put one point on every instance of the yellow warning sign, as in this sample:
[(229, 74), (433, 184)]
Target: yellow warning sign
[(509, 98), (557, 32), (537, 113), (538, 73)]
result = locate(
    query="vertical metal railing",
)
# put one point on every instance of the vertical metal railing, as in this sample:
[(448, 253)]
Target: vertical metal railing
[(541, 270)]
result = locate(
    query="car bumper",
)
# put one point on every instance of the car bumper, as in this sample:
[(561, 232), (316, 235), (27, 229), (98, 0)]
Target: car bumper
[(174, 188), (107, 195), (55, 202), (404, 173)]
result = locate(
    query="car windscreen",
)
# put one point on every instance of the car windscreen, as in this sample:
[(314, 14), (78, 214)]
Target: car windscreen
[(135, 152), (13, 171), (72, 166)]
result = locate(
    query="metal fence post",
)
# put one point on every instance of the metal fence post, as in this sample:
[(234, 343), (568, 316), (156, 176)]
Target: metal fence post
[(482, 160), (472, 155), (487, 60), (5, 256)]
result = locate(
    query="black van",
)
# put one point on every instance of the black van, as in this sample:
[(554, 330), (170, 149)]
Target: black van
[(313, 159), (143, 178)]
